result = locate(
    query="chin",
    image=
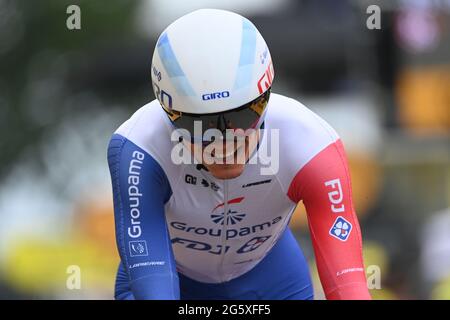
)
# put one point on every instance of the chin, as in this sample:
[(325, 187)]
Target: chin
[(225, 172)]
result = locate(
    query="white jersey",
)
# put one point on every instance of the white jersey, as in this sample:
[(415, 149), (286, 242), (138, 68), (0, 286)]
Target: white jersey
[(220, 229)]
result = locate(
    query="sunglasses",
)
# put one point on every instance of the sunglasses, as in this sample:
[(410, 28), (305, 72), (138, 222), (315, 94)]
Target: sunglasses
[(244, 117)]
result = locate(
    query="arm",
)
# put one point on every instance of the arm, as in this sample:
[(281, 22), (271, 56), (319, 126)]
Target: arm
[(140, 190), (325, 188)]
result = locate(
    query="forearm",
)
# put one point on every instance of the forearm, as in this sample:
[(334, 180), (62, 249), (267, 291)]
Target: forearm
[(140, 189), (325, 188)]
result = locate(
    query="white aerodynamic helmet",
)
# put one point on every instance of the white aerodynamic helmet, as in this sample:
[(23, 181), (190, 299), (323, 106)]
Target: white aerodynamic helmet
[(212, 66)]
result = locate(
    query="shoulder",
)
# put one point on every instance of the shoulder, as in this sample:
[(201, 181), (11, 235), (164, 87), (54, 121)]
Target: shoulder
[(292, 117), (302, 134), (147, 131), (148, 128), (146, 125)]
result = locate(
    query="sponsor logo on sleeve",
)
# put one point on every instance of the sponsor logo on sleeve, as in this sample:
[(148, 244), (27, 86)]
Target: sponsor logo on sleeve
[(341, 229), (138, 248)]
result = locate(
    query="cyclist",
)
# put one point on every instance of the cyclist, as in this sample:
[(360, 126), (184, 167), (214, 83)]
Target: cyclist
[(201, 214)]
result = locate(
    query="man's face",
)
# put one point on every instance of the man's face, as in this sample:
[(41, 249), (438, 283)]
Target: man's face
[(226, 160)]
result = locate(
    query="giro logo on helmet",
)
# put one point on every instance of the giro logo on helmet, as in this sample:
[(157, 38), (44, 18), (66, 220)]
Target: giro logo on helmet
[(216, 95)]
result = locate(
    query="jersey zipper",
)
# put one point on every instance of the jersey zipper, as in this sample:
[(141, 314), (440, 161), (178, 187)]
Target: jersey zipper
[(224, 232)]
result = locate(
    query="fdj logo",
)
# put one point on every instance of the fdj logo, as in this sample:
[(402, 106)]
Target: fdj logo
[(253, 244), (266, 79), (216, 95), (138, 248), (341, 229), (201, 246)]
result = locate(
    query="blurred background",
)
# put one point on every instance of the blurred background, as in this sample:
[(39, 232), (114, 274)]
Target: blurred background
[(63, 92)]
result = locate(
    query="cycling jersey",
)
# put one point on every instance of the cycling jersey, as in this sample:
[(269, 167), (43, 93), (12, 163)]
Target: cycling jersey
[(283, 274), (177, 218)]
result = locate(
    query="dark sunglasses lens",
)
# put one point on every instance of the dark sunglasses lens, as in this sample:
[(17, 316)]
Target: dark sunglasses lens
[(245, 117)]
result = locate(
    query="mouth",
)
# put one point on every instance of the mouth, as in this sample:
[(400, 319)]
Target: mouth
[(228, 155)]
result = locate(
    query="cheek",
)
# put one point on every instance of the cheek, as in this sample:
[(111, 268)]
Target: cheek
[(197, 152)]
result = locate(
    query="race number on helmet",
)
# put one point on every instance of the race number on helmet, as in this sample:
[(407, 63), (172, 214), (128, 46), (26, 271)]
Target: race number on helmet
[(214, 67)]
